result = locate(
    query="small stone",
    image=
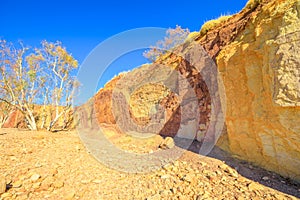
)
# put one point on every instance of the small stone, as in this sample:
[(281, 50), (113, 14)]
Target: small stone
[(17, 184), (233, 173), (22, 177), (38, 165), (168, 167), (163, 193), (58, 184), (280, 197), (97, 181), (175, 169), (154, 197), (85, 181), (206, 195), (224, 179), (168, 143), (13, 158), (165, 176), (22, 195), (70, 195), (173, 190), (222, 166), (54, 172), (6, 195), (35, 177), (254, 186), (218, 172), (265, 178), (78, 148), (180, 189), (187, 178), (240, 198), (47, 182), (186, 190), (229, 170), (2, 185), (242, 179), (27, 184), (36, 185), (206, 172)]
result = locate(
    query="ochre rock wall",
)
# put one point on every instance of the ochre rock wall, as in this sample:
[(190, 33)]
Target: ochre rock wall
[(257, 52), (103, 101), (42, 114), (261, 74)]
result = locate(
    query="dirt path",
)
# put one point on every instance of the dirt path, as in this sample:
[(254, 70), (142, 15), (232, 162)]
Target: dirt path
[(40, 165)]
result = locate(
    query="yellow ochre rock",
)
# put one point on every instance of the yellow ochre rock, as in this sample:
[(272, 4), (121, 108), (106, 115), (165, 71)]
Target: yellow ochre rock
[(261, 74)]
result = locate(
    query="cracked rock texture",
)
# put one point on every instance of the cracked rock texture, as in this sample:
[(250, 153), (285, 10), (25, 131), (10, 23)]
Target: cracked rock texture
[(261, 74), (257, 54)]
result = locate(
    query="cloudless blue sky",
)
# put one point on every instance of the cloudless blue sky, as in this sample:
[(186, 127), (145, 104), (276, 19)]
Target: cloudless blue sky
[(82, 25)]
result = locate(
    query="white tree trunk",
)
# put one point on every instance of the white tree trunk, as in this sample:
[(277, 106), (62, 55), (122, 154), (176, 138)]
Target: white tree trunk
[(54, 121), (3, 120), (31, 121)]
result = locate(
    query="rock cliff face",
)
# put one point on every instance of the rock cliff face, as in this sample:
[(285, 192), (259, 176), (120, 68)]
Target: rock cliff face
[(261, 74), (257, 54)]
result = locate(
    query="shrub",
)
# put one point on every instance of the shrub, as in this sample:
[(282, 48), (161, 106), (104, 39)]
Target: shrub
[(209, 25)]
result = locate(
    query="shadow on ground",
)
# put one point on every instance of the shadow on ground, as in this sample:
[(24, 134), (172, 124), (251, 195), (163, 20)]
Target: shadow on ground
[(252, 172)]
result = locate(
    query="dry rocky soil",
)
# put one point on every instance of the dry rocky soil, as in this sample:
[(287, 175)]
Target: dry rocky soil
[(43, 165)]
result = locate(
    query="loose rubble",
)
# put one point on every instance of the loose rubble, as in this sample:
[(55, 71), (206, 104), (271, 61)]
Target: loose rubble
[(64, 172)]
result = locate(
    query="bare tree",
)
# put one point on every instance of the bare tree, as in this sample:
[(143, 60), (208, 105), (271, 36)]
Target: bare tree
[(5, 109), (19, 81), (60, 65), (173, 38), (39, 76), (44, 108)]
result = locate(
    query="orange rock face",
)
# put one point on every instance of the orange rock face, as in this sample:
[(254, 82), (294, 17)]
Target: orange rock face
[(261, 74), (103, 102), (257, 55)]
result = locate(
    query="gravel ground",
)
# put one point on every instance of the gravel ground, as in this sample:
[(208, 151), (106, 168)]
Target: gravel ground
[(43, 165)]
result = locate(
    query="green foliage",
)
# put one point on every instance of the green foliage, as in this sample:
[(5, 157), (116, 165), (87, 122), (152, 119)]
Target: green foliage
[(32, 76)]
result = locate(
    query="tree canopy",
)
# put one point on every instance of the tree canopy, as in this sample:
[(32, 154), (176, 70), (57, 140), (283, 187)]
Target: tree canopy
[(31, 76)]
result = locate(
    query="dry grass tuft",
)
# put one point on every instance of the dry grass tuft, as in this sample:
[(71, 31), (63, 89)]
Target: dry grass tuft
[(209, 25)]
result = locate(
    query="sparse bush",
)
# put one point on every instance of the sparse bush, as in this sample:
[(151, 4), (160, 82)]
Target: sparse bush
[(252, 4), (192, 36), (209, 25)]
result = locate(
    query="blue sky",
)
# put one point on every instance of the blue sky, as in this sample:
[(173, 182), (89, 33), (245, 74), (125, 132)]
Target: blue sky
[(82, 25)]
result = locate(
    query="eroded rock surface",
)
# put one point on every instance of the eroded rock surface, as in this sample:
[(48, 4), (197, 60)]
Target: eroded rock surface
[(257, 56), (261, 73)]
